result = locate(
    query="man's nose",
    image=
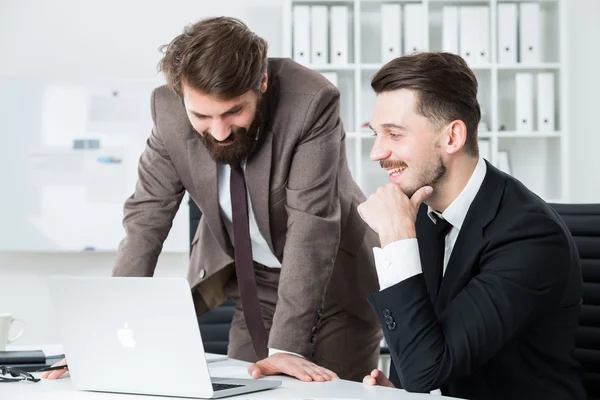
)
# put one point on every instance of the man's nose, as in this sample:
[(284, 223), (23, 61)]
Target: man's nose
[(220, 130), (379, 151)]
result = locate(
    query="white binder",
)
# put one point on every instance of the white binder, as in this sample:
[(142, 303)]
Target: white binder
[(467, 34), (545, 102), (319, 38), (450, 29), (415, 24), (507, 33), (301, 34), (475, 34), (485, 149), (339, 35), (483, 29), (391, 31), (529, 33), (524, 101)]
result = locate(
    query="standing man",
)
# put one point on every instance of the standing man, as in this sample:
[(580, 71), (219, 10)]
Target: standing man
[(480, 285), (259, 145)]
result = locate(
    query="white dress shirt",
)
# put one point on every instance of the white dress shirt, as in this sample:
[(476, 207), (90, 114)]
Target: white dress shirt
[(400, 260), (261, 253)]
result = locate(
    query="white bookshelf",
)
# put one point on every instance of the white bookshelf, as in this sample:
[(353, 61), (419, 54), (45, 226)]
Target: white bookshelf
[(538, 158)]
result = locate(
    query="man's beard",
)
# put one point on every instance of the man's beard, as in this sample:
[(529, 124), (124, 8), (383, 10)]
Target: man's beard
[(429, 175), (245, 140)]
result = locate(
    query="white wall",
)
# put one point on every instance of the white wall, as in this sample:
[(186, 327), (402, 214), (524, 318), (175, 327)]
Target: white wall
[(87, 41), (584, 108), (83, 40)]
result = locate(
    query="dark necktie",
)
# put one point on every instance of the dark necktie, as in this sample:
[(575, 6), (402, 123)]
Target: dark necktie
[(441, 229), (244, 264)]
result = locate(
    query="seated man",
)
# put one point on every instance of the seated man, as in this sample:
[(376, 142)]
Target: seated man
[(480, 285)]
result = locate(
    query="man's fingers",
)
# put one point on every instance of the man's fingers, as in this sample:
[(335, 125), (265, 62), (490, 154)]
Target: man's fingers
[(254, 371), (57, 373), (332, 374), (420, 195), (369, 381)]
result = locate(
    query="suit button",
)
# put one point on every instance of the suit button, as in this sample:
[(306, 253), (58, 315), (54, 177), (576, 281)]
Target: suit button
[(202, 274), (312, 339), (320, 312), (314, 330), (392, 326), (389, 320), (386, 313)]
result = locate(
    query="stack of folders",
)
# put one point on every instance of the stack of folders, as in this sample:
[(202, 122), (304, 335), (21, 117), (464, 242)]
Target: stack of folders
[(466, 31), (313, 27), (525, 102), (392, 35), (519, 33)]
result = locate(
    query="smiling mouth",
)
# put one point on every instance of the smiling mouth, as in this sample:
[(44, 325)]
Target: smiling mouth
[(226, 142), (396, 171)]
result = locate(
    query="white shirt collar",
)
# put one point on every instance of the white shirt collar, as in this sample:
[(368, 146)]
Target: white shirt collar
[(456, 212)]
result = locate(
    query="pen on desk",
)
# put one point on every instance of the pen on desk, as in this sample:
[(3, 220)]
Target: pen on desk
[(55, 368)]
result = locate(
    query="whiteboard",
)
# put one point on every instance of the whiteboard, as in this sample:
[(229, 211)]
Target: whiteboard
[(69, 161)]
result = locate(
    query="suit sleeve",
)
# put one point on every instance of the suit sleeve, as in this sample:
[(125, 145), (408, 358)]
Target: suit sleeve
[(522, 272), (149, 212), (313, 233)]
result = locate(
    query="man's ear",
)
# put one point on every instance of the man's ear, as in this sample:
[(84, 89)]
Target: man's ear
[(455, 136), (263, 83)]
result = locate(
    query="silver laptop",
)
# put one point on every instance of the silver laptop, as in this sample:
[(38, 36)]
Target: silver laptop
[(137, 335)]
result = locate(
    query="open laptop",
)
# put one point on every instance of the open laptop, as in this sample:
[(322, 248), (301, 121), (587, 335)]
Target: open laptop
[(137, 335)]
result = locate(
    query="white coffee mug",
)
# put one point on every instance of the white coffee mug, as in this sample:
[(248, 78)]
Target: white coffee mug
[(6, 321)]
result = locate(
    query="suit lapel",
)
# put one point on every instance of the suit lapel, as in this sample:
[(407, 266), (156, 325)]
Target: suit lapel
[(204, 173), (258, 174), (471, 236)]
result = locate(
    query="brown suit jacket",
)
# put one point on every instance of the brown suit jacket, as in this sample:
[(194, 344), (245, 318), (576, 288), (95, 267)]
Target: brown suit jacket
[(302, 193)]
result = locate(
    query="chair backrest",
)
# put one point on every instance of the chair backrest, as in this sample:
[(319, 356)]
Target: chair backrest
[(583, 220), (215, 324)]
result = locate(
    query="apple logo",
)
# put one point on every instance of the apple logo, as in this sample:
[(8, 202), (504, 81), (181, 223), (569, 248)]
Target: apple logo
[(125, 336)]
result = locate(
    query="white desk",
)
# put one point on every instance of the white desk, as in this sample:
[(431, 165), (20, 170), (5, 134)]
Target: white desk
[(61, 389)]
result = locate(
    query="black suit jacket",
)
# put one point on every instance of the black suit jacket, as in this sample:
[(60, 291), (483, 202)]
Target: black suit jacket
[(502, 325)]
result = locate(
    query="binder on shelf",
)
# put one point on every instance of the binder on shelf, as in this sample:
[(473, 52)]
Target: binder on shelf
[(339, 35), (545, 102), (504, 162), (301, 34), (524, 101), (485, 149), (483, 27), (475, 34), (319, 38), (414, 32), (450, 29), (467, 34), (529, 33), (391, 31), (507, 33)]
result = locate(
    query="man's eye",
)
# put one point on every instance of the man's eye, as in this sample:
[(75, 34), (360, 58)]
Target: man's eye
[(394, 135), (234, 112)]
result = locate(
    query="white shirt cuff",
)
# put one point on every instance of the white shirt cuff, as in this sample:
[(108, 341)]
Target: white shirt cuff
[(397, 261), (275, 351)]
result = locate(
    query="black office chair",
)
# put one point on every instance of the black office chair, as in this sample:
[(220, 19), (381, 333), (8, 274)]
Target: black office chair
[(583, 220), (214, 325)]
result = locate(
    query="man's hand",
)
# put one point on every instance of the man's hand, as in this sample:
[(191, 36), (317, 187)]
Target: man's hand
[(391, 214), (57, 373), (377, 378), (288, 364)]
